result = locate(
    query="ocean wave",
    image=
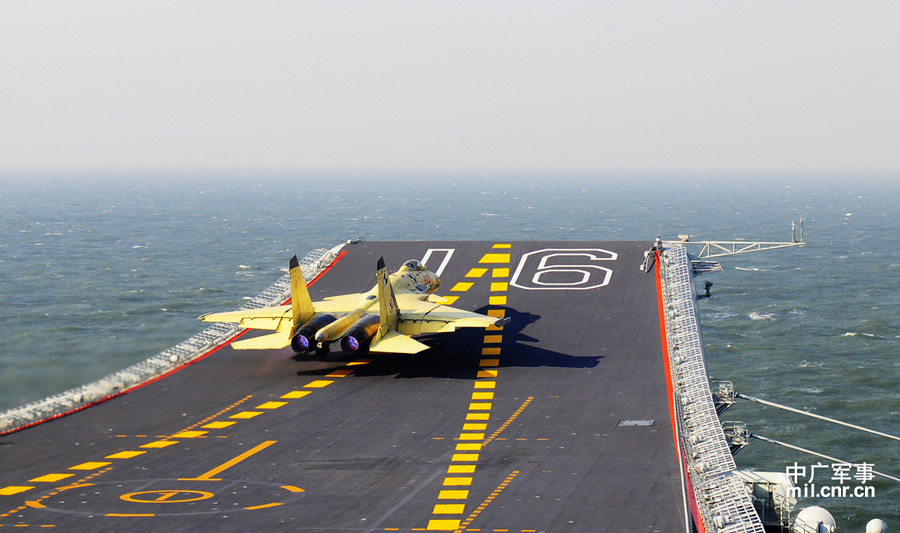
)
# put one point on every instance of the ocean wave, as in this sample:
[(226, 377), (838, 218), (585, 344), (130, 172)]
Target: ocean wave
[(857, 334), (761, 316), (748, 269)]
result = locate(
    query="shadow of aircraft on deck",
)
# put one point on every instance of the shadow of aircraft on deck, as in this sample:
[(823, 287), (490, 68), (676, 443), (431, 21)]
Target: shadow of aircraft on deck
[(455, 355)]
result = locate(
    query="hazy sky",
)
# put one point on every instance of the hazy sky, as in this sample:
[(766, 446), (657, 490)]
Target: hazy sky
[(750, 85)]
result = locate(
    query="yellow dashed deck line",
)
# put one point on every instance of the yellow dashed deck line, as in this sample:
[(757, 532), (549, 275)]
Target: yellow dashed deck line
[(189, 434), (476, 272), (442, 525), (318, 384), (293, 395), (494, 258), (127, 454), (450, 300), (463, 526), (271, 405), (223, 411), (90, 465), (449, 508), (457, 481), (340, 373), (13, 489), (453, 495), (509, 420), (50, 478), (244, 415), (219, 425), (159, 444), (472, 431)]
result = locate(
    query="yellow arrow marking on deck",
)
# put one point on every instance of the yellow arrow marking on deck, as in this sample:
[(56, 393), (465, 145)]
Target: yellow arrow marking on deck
[(208, 476)]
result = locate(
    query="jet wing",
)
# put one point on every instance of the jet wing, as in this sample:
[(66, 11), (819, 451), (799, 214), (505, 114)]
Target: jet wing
[(273, 318), (418, 317), (274, 341), (269, 318)]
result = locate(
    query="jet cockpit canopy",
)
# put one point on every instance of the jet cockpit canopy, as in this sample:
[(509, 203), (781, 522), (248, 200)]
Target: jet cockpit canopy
[(412, 264)]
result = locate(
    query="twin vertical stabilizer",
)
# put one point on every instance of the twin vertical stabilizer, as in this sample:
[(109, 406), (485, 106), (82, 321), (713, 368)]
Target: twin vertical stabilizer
[(301, 304), (388, 339)]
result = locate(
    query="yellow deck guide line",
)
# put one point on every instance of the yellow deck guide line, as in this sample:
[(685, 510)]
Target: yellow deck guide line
[(208, 476)]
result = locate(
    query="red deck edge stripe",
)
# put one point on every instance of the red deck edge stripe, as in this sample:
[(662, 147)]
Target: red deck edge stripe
[(159, 377), (695, 511)]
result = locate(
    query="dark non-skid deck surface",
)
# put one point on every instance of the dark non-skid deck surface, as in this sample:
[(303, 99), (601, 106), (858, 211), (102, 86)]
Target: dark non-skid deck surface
[(513, 430)]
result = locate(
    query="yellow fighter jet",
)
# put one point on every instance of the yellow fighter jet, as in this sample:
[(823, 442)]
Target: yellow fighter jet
[(380, 320)]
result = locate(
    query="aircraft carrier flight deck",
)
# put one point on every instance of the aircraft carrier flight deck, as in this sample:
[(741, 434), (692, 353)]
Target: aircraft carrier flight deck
[(562, 420)]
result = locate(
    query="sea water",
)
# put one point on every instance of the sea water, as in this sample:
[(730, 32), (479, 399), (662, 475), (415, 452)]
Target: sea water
[(100, 270)]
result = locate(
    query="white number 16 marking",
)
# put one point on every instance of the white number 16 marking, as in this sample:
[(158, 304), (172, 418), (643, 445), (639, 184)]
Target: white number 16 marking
[(564, 266)]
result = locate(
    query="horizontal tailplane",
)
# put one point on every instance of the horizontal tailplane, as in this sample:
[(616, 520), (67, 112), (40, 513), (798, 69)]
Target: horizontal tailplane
[(396, 342), (274, 341)]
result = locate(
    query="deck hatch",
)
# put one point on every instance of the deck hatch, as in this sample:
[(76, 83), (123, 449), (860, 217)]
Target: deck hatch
[(636, 422)]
